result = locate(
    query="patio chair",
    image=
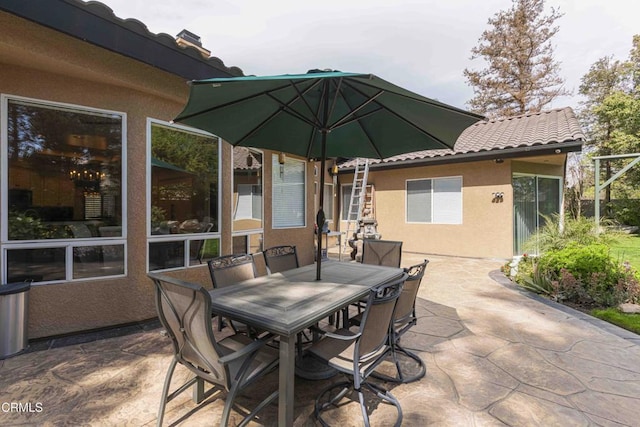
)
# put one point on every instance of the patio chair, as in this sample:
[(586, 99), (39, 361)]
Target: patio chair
[(230, 364), (377, 252), (280, 258), (229, 269), (382, 252), (358, 353), (404, 318)]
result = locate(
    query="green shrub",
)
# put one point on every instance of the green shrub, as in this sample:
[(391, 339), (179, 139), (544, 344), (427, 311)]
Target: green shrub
[(580, 274), (581, 261)]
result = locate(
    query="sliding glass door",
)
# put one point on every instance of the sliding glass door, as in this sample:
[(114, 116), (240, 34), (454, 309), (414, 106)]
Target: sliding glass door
[(533, 198)]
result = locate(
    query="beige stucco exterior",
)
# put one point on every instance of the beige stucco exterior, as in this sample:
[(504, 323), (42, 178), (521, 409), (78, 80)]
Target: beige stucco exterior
[(43, 64), (39, 63), (486, 230)]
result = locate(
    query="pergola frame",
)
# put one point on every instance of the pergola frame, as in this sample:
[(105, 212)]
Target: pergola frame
[(600, 187)]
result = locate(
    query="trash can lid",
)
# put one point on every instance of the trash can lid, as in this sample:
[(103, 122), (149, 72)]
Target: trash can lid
[(14, 288)]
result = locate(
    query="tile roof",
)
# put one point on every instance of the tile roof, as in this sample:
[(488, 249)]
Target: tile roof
[(525, 131), (96, 23)]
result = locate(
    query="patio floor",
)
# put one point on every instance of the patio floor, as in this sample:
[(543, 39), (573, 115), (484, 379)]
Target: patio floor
[(494, 355)]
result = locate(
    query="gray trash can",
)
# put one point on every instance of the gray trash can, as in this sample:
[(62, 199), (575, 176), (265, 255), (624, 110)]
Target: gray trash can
[(14, 304)]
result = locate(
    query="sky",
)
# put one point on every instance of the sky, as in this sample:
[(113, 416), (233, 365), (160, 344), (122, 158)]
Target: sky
[(422, 45)]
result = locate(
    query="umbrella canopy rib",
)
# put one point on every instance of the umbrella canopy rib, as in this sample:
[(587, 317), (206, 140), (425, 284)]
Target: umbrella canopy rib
[(351, 115), (285, 107), (366, 132), (404, 119), (304, 100)]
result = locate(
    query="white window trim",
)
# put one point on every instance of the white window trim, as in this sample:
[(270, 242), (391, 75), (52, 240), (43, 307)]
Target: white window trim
[(305, 199), (406, 201), (231, 207), (69, 244), (184, 238), (342, 207)]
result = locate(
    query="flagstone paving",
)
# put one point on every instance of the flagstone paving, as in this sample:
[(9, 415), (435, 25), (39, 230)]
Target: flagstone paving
[(495, 356)]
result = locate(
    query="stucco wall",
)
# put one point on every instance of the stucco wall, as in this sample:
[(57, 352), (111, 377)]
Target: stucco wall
[(39, 63), (487, 226)]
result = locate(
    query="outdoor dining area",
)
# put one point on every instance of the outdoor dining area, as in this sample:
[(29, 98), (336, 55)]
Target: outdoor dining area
[(369, 307), (493, 356)]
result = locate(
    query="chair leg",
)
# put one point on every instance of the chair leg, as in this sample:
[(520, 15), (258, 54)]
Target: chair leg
[(385, 395), (363, 408), (401, 377), (347, 387), (165, 391)]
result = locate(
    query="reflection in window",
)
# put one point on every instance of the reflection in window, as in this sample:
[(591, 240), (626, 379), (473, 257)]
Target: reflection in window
[(344, 201), (247, 243), (184, 197), (65, 182), (62, 162), (202, 250), (328, 201), (97, 261), (184, 181), (247, 189), (38, 265)]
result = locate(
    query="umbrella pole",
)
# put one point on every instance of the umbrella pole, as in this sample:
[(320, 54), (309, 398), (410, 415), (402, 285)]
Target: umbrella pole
[(320, 217)]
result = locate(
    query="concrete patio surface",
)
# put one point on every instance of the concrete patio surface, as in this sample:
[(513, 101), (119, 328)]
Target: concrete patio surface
[(495, 356)]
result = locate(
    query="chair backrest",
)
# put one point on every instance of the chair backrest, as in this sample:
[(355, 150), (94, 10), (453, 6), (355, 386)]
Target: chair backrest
[(280, 258), (184, 310), (381, 252), (405, 307), (229, 269), (376, 318)]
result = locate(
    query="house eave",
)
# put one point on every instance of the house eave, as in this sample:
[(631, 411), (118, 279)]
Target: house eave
[(506, 153), (95, 23)]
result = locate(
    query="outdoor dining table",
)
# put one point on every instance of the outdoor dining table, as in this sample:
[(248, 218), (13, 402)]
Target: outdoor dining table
[(286, 303)]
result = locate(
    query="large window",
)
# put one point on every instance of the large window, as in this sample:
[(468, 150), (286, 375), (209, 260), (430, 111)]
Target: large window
[(247, 200), (345, 200), (63, 204), (289, 177), (435, 201), (184, 196), (328, 201)]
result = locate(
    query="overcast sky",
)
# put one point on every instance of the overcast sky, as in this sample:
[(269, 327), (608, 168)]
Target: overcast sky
[(422, 45)]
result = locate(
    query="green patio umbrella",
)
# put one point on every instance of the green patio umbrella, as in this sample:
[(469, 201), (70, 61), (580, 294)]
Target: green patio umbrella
[(323, 114)]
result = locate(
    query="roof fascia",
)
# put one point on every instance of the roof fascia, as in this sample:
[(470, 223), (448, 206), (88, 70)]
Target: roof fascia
[(507, 153), (95, 23)]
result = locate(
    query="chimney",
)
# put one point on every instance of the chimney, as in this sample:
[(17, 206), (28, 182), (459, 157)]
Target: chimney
[(187, 38)]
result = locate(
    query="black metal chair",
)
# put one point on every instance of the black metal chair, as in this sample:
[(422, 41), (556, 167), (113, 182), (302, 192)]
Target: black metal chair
[(230, 364), (357, 354), (280, 258), (405, 318), (229, 269)]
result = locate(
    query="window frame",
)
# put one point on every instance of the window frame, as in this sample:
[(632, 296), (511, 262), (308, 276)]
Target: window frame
[(304, 192), (433, 205), (262, 185), (7, 245), (344, 207), (186, 239)]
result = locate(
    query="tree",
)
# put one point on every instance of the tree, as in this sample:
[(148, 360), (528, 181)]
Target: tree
[(610, 115), (521, 75)]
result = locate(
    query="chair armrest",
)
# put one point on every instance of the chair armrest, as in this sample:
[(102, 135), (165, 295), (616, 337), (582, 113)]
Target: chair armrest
[(342, 337), (244, 351)]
